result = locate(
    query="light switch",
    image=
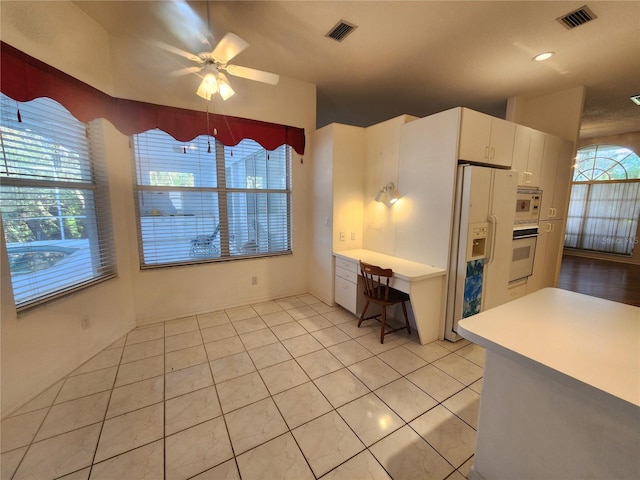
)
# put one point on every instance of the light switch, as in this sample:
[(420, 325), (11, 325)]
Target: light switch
[(342, 236)]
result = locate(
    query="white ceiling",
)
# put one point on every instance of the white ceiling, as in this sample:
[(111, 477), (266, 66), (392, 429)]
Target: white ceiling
[(414, 57)]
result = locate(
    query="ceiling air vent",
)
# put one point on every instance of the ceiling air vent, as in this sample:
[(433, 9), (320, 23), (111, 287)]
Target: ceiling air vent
[(340, 31), (577, 17)]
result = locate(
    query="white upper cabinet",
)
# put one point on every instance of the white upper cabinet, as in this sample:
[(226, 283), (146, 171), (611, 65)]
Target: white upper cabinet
[(564, 177), (528, 150), (486, 139), (555, 180)]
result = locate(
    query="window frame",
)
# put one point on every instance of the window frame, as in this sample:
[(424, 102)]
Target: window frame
[(224, 231)]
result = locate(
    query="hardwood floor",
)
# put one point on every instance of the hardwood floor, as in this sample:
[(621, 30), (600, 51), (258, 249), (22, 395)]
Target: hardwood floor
[(615, 281)]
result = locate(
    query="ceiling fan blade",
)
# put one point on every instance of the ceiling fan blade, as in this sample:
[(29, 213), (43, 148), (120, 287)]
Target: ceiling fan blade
[(253, 74), (185, 71), (175, 50), (227, 48)]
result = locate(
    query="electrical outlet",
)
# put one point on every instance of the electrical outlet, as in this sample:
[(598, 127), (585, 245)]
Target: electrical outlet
[(254, 280), (342, 236), (353, 235), (84, 321)]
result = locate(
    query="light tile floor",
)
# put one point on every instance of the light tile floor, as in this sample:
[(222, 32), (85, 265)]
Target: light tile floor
[(284, 389)]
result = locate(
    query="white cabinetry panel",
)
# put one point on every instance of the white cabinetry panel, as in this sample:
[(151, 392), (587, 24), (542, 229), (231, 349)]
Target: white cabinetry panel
[(486, 139), (528, 149)]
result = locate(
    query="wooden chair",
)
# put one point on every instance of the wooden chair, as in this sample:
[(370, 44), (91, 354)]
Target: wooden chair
[(378, 291)]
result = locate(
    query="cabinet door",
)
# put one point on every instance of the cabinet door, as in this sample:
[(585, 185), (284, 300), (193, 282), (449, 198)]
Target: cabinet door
[(548, 175), (553, 252), (501, 142), (346, 294), (546, 264), (534, 160), (521, 144), (475, 135), (486, 139), (564, 175)]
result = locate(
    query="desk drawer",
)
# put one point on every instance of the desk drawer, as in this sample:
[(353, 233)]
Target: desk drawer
[(351, 265), (346, 294), (347, 274)]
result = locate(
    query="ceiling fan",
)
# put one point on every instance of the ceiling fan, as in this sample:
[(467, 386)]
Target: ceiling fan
[(213, 65)]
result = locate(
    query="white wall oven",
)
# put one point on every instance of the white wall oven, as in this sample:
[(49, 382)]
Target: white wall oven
[(525, 233), (523, 252)]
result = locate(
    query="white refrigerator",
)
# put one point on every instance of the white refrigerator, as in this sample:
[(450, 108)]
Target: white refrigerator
[(481, 237)]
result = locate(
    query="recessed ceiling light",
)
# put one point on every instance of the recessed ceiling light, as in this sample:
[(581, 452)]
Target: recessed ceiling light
[(636, 99), (543, 56)]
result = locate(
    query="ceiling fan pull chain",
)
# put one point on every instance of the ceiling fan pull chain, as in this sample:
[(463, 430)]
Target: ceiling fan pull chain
[(208, 128), (18, 109)]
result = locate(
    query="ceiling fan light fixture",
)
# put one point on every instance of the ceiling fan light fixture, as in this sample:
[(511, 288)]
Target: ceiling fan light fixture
[(225, 89), (208, 87)]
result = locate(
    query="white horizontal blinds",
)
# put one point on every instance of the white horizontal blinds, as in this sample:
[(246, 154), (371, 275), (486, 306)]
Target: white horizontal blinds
[(177, 199), (201, 201), (54, 201), (258, 199)]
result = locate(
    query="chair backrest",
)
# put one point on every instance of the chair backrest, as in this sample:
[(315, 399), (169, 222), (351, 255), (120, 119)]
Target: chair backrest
[(376, 281)]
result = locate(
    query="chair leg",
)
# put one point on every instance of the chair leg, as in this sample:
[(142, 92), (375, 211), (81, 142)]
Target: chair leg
[(364, 310), (406, 317), (383, 319)]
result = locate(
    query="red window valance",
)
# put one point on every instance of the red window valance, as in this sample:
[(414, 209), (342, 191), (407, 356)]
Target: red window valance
[(24, 78)]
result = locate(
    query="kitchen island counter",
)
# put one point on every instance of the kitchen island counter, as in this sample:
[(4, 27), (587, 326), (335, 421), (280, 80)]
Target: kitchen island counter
[(561, 390)]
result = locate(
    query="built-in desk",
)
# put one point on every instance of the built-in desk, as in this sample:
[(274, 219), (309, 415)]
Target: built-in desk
[(424, 284), (561, 389)]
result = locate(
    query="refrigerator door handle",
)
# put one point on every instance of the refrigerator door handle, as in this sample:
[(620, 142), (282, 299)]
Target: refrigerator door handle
[(493, 221)]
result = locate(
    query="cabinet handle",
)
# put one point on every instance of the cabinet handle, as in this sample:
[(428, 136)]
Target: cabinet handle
[(486, 152), (549, 227), (493, 153)]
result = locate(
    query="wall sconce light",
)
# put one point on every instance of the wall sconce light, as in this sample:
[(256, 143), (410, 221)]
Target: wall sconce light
[(388, 194)]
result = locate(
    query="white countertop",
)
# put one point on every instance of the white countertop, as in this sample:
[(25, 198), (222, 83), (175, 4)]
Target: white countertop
[(403, 269), (593, 340)]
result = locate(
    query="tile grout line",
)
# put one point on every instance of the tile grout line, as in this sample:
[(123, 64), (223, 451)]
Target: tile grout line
[(279, 341), (106, 410)]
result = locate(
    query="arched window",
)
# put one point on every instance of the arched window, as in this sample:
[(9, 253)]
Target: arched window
[(605, 200)]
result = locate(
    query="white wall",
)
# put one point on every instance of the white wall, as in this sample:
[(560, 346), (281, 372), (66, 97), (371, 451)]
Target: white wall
[(558, 113), (427, 179), (43, 345), (382, 167)]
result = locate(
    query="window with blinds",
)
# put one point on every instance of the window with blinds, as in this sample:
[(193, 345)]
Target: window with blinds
[(54, 201), (202, 201)]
